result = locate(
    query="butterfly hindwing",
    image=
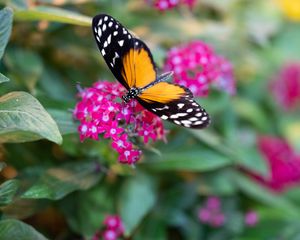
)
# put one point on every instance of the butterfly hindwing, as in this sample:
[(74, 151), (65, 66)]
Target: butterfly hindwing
[(128, 58), (174, 103)]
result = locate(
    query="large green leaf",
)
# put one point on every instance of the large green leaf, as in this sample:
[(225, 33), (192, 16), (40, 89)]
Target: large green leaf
[(187, 160), (53, 14), (16, 230), (23, 118), (136, 199), (56, 183), (7, 191), (6, 17), (3, 78)]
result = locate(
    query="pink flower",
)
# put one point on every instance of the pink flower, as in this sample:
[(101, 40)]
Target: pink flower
[(164, 5), (251, 218), (197, 67), (100, 112), (211, 213), (114, 222), (204, 215), (283, 162), (286, 86), (129, 156), (110, 235), (213, 203), (121, 143), (113, 130)]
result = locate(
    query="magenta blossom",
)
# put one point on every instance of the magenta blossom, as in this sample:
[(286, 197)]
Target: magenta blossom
[(197, 67), (163, 5), (286, 86), (211, 213), (251, 218), (101, 111), (112, 229), (283, 162)]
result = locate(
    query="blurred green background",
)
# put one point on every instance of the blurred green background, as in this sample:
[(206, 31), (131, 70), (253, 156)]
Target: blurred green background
[(56, 187)]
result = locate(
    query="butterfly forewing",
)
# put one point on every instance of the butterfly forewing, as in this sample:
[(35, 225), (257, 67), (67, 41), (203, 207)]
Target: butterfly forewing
[(131, 62), (128, 58)]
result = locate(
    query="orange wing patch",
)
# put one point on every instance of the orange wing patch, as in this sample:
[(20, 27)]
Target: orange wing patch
[(138, 68), (163, 92)]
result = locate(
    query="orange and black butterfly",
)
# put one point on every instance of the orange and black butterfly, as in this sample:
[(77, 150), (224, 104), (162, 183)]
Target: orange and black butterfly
[(131, 62)]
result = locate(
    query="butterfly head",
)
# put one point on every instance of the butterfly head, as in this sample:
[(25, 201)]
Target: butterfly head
[(132, 93)]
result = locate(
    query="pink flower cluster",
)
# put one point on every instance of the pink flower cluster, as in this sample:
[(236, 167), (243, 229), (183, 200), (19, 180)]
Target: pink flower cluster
[(286, 86), (283, 161), (164, 5), (113, 229), (101, 111), (197, 67), (211, 213)]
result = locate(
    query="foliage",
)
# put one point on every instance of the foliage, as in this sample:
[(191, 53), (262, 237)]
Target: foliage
[(53, 186)]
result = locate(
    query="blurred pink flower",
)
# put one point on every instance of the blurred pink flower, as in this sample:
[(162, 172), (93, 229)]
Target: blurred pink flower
[(114, 222), (211, 212), (283, 162), (286, 86), (197, 67), (251, 218), (109, 234), (101, 111), (164, 5), (113, 229)]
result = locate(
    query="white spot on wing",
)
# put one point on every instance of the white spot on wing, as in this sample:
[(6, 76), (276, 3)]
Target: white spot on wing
[(109, 39), (121, 42), (98, 39), (199, 114), (105, 44), (100, 22), (99, 32), (198, 122), (177, 122), (105, 18), (204, 118), (174, 116), (110, 24), (104, 27), (103, 52), (180, 105), (115, 33), (96, 30), (164, 117), (181, 114), (189, 110), (193, 119), (186, 122)]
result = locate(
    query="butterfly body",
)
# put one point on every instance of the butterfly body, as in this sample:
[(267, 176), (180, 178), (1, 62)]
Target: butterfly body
[(131, 62)]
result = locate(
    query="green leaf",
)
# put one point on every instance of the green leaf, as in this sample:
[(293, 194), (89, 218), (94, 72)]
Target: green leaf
[(64, 120), (7, 191), (85, 210), (56, 183), (53, 14), (136, 199), (3, 78), (265, 196), (13, 229), (26, 66), (6, 18), (251, 112), (204, 160), (23, 118)]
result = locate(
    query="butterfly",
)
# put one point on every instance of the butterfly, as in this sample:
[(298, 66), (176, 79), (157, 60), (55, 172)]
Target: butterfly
[(131, 62)]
